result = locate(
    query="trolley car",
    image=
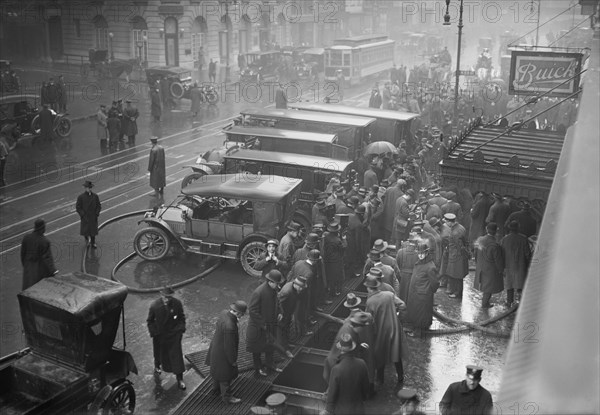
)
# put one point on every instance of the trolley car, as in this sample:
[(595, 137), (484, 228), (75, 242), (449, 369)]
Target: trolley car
[(359, 57)]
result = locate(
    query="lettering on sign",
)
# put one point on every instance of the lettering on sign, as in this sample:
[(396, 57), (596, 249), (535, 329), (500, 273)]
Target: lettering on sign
[(538, 72)]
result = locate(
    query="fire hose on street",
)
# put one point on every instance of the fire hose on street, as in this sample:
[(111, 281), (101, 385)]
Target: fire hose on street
[(133, 255)]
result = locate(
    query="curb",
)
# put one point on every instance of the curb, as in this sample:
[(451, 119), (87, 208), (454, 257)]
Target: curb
[(82, 118)]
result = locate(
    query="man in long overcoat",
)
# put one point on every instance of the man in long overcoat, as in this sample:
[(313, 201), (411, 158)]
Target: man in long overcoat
[(489, 265), (289, 297), (196, 98), (424, 283), (455, 255), (406, 258), (88, 208), (113, 126), (358, 237), (63, 94), (101, 132), (401, 217), (262, 324), (333, 258), (499, 213), (36, 256), (390, 197), (348, 382), (156, 166), (287, 245), (527, 223), (517, 255), (46, 124), (155, 104), (130, 128), (222, 354), (388, 346), (280, 98), (479, 213), (166, 325)]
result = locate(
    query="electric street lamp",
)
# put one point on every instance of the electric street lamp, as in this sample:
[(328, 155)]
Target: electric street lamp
[(456, 82)]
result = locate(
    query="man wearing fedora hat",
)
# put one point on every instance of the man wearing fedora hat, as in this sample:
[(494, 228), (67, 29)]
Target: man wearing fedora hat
[(309, 270), (378, 275), (287, 245), (262, 324), (452, 206), (406, 259), (527, 223), (455, 255), (401, 225), (270, 259), (333, 258), (311, 242), (358, 236), (88, 208), (222, 353), (320, 211), (348, 385), (391, 195), (424, 283), (130, 128), (157, 167), (489, 265), (387, 272), (356, 319), (36, 256), (468, 396), (370, 177), (499, 213), (389, 344), (289, 298), (517, 256), (166, 324)]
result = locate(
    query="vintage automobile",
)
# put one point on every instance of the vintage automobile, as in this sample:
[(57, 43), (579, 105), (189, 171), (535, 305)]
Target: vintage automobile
[(227, 216), (179, 79), (261, 66), (104, 68), (311, 63), (71, 365), (20, 115)]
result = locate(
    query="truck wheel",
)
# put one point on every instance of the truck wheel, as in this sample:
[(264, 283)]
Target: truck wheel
[(191, 178), (151, 243), (249, 256), (121, 400)]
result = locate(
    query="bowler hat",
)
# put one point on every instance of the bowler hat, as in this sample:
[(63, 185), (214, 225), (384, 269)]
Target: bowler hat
[(39, 225), (375, 254), (372, 282), (153, 139), (293, 226), (352, 300), (88, 184), (274, 276), (167, 291), (353, 200), (333, 227), (513, 225), (361, 318), (375, 273), (312, 240), (360, 209), (380, 245), (314, 255), (239, 306), (433, 221), (272, 242), (346, 344)]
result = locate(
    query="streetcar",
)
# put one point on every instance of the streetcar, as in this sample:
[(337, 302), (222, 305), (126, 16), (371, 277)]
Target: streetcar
[(359, 57)]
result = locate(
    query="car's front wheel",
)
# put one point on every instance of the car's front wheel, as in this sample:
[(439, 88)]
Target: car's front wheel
[(63, 127), (250, 255), (191, 178), (151, 243)]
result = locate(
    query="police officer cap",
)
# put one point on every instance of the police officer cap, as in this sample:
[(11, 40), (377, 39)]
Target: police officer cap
[(275, 399), (474, 372), (450, 216), (407, 395)]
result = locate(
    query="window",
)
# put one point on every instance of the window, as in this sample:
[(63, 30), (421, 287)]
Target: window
[(140, 38), (198, 40), (199, 34), (101, 38), (77, 24)]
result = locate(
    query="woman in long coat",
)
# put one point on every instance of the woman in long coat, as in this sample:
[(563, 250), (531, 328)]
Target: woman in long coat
[(423, 285)]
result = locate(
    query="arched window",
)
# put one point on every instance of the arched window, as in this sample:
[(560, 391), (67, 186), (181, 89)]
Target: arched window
[(245, 31), (139, 38), (199, 37), (101, 31), (224, 39)]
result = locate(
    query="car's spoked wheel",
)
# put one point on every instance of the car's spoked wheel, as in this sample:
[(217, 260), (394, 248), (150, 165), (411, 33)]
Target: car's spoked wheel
[(121, 400), (63, 128), (250, 255), (151, 243)]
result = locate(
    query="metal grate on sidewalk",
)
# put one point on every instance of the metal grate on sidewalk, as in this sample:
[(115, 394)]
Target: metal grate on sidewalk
[(197, 359)]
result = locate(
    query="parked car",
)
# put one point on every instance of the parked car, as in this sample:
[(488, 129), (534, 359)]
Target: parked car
[(179, 79), (261, 66), (19, 117), (226, 216), (71, 365)]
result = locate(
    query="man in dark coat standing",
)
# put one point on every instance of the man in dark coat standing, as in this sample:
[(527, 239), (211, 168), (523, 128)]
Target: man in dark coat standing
[(390, 197), (166, 324), (63, 94), (262, 325), (130, 128), (455, 255), (489, 265), (517, 255), (333, 258), (88, 208), (196, 98), (348, 381), (375, 100), (156, 167), (46, 124), (358, 237), (53, 94), (499, 213), (527, 223), (155, 104), (36, 256), (223, 351), (424, 283), (468, 396), (280, 98), (212, 71), (289, 297), (479, 212), (113, 126)]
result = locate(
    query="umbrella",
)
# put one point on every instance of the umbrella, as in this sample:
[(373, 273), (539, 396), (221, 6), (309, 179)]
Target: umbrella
[(380, 147)]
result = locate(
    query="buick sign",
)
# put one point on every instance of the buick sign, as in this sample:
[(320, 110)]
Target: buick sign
[(538, 72)]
